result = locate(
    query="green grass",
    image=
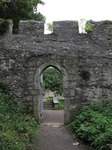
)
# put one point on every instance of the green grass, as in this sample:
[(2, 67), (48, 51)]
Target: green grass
[(49, 98), (94, 125), (61, 103), (17, 128)]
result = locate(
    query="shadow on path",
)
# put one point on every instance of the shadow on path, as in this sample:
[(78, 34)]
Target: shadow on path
[(53, 135)]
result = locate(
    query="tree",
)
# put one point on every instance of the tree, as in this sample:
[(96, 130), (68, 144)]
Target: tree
[(53, 80), (20, 9), (7, 1)]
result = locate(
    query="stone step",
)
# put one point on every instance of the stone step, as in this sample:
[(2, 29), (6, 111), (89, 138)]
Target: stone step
[(48, 105)]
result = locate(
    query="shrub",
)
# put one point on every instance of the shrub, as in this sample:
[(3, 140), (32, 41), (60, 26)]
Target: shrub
[(94, 125), (17, 128)]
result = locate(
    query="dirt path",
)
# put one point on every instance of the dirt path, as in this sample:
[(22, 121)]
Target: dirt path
[(53, 135)]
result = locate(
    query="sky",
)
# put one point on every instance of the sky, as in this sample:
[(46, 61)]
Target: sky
[(56, 10)]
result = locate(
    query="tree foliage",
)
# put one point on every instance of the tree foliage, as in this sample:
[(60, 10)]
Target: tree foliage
[(20, 9), (53, 80)]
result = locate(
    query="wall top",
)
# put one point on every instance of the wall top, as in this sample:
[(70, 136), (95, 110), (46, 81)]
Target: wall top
[(62, 28), (31, 36)]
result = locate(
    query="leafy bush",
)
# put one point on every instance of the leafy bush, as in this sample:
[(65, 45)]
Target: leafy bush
[(94, 125), (17, 128)]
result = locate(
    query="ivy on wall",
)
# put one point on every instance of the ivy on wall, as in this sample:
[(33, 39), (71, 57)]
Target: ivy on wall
[(4, 25), (85, 74)]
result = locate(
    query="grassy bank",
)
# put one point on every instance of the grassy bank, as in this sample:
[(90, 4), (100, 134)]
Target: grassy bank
[(17, 128), (94, 125)]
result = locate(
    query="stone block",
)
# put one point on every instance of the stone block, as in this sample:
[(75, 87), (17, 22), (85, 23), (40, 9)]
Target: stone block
[(72, 92), (31, 28), (65, 30)]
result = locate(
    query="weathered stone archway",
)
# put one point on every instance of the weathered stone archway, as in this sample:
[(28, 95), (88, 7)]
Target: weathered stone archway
[(64, 73), (23, 57)]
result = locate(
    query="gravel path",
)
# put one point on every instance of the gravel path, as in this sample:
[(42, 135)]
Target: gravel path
[(53, 135)]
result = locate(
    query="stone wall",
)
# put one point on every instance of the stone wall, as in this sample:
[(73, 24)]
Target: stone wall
[(25, 56)]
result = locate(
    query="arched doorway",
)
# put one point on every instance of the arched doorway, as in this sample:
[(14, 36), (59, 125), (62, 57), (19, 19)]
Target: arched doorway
[(51, 95), (39, 72)]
